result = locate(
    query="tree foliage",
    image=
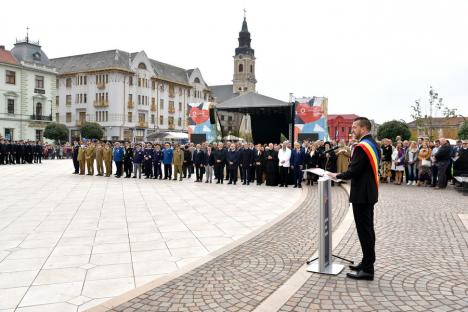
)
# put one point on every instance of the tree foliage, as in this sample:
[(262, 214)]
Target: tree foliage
[(463, 132), (91, 130), (392, 129), (57, 132)]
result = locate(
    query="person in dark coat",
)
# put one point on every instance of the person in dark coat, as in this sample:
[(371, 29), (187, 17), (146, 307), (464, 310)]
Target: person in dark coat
[(76, 163), (271, 165), (232, 161), (199, 162), (460, 165), (138, 156), (297, 164), (363, 195), (157, 160), (220, 159), (258, 163), (187, 161), (311, 161), (128, 160), (38, 152), (246, 162), (148, 155), (2, 151), (443, 158)]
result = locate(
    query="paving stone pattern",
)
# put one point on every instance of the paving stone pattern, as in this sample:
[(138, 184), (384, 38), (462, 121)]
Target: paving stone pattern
[(243, 277), (422, 259)]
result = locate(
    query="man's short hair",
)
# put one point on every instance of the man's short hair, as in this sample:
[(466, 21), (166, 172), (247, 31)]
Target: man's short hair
[(364, 122)]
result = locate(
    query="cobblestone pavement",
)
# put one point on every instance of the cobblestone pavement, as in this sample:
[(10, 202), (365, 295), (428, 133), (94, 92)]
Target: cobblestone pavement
[(422, 258), (240, 279), (68, 242)]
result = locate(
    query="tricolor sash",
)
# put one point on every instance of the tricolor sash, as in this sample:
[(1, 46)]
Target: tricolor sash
[(373, 154)]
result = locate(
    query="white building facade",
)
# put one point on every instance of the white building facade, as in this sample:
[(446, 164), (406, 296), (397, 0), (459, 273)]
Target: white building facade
[(27, 91), (128, 94)]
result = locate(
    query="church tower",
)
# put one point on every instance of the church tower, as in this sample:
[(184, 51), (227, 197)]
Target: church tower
[(244, 63)]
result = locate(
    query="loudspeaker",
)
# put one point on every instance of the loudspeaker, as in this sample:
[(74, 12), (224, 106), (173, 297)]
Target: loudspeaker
[(211, 110)]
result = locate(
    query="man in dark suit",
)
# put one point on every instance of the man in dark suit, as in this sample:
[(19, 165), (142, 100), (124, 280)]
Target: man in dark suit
[(364, 194), (199, 161), (232, 160), (297, 163), (258, 163), (246, 163), (220, 159), (2, 151), (76, 163)]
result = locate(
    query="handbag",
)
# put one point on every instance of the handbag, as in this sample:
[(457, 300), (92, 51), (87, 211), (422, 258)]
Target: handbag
[(425, 163)]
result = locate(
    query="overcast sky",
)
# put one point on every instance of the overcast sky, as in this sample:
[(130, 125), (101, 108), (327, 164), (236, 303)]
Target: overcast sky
[(371, 58)]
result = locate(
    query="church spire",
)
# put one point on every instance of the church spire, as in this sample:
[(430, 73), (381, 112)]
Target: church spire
[(244, 39)]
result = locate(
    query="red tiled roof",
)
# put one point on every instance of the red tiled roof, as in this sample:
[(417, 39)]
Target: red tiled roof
[(345, 116), (7, 57)]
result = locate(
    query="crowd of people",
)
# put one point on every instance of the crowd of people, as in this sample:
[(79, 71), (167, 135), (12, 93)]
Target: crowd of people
[(417, 163), (29, 152), (422, 162)]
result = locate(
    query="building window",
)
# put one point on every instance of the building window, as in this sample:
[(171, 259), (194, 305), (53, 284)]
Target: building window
[(57, 82), (57, 117), (130, 117), (196, 80), (68, 83), (9, 134), (241, 68), (68, 117), (10, 77), (251, 68), (152, 118), (107, 78), (171, 107), (57, 100), (161, 119), (11, 106), (38, 135), (142, 66), (139, 99), (85, 80), (170, 121), (229, 118), (153, 84), (130, 80), (171, 90), (39, 109), (179, 122), (68, 99), (85, 98), (180, 106), (107, 115), (161, 104)]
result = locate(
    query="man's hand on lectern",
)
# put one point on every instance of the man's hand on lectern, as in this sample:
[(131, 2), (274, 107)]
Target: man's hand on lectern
[(332, 175)]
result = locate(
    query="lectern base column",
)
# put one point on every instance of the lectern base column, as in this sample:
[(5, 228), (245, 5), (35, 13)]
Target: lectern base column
[(332, 269)]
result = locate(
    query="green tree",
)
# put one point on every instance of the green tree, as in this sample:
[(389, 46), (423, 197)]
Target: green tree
[(57, 132), (91, 130), (392, 129), (463, 132)]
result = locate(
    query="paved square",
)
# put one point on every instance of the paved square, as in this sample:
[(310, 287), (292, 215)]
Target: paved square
[(69, 242)]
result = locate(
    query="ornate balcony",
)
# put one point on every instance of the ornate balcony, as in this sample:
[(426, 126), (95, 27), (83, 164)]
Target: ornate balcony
[(130, 104), (41, 117), (101, 85), (102, 103)]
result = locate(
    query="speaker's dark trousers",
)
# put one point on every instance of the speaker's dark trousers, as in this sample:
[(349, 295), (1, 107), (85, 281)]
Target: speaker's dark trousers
[(364, 219), (76, 164)]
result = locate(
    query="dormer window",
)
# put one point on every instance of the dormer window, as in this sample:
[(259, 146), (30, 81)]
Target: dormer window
[(36, 56), (142, 66), (196, 80)]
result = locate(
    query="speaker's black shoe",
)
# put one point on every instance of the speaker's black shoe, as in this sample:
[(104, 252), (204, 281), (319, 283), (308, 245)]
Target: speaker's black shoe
[(355, 267), (361, 275)]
